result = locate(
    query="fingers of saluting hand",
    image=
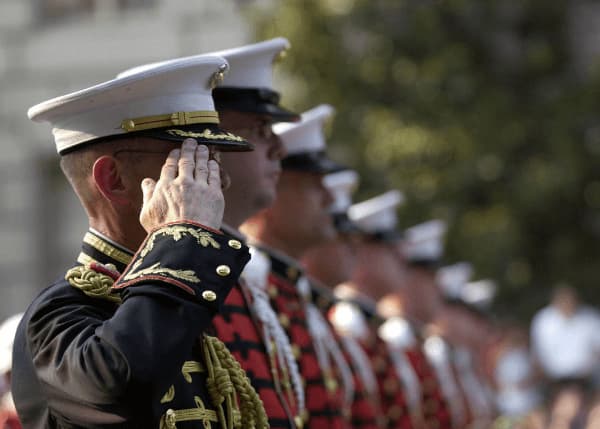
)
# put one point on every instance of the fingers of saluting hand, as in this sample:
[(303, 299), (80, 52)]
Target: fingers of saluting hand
[(186, 160), (201, 171), (214, 174), (148, 186), (169, 168)]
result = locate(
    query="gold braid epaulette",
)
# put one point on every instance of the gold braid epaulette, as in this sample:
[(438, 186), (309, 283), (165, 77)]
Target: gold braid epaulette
[(227, 383), (93, 283)]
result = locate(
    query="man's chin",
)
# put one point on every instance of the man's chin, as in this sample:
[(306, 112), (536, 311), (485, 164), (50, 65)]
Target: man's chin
[(266, 199)]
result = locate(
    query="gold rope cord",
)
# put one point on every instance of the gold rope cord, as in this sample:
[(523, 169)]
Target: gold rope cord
[(226, 379), (92, 283)]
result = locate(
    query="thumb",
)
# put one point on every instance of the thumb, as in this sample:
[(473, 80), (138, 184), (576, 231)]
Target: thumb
[(148, 189)]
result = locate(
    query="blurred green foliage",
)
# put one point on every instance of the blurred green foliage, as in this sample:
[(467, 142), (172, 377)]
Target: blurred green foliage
[(472, 108)]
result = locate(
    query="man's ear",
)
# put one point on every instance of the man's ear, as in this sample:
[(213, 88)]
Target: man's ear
[(108, 180)]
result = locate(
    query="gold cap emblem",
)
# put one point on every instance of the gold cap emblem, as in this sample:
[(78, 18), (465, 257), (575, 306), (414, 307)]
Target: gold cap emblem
[(218, 76)]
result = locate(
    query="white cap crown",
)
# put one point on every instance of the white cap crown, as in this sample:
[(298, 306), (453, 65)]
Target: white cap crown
[(424, 242), (377, 214), (306, 135), (252, 65), (341, 185), (479, 293), (452, 278), (171, 94)]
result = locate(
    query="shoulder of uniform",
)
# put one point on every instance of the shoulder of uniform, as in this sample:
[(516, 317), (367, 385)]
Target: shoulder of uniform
[(348, 319), (322, 296), (94, 280), (397, 331), (256, 272), (282, 265)]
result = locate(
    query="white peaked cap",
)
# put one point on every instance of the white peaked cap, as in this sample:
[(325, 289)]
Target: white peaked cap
[(452, 278), (173, 94), (306, 135), (479, 293), (251, 66), (424, 242), (377, 214), (8, 329), (341, 185)]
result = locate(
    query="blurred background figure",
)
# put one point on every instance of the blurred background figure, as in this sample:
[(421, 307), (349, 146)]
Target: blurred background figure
[(566, 346), (8, 414), (517, 387)]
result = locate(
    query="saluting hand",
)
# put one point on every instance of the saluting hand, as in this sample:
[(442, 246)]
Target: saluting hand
[(189, 188)]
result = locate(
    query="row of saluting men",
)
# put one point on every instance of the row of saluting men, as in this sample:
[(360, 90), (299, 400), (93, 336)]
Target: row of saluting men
[(193, 322)]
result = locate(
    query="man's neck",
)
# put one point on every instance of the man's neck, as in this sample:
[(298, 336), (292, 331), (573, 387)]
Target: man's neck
[(233, 220), (364, 283), (128, 237), (282, 245), (391, 305), (351, 291)]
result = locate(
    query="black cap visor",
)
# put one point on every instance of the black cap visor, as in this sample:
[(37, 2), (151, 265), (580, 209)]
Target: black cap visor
[(311, 162), (389, 236), (253, 100), (204, 133), (344, 225), (208, 134)]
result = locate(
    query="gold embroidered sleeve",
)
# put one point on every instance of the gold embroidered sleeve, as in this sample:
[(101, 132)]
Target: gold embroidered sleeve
[(202, 262)]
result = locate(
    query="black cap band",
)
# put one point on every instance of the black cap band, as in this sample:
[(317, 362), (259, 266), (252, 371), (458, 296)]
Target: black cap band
[(343, 224), (253, 100)]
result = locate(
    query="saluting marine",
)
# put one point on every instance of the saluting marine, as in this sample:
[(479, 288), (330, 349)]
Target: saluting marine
[(120, 340)]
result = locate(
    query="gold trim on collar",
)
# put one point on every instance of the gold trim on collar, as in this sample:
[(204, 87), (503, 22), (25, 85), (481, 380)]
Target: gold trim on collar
[(84, 259), (170, 119), (107, 249)]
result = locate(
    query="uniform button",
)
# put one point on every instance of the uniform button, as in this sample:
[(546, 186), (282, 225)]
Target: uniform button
[(234, 244), (284, 320), (299, 422), (331, 384), (296, 351), (291, 272), (305, 415), (209, 295), (223, 270)]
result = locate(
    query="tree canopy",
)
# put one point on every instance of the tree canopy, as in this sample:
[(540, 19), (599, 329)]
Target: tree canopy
[(471, 108)]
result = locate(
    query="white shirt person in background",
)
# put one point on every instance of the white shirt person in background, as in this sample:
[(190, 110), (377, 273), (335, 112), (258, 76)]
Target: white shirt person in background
[(566, 345)]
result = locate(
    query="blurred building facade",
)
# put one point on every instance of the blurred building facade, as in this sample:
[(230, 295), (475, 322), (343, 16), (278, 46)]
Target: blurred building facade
[(49, 48)]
